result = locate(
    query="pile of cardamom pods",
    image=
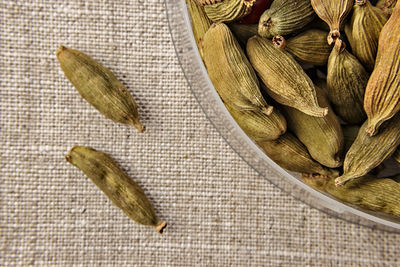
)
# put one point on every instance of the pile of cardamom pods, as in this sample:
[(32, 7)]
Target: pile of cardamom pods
[(315, 83)]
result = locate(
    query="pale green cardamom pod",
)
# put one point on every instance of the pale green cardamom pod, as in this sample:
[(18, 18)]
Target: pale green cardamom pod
[(369, 192), (333, 13), (346, 81), (286, 81), (367, 152), (307, 47), (323, 137), (382, 95), (99, 86), (350, 133), (200, 22), (243, 32), (363, 31), (285, 17), (228, 10), (230, 71), (115, 184), (289, 153), (259, 126)]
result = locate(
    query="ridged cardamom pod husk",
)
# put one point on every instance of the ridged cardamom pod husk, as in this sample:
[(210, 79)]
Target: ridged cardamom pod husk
[(350, 133), (386, 6), (243, 32), (369, 192), (308, 47), (228, 10), (99, 86), (323, 137), (200, 22), (396, 155), (259, 126), (346, 82), (333, 13), (231, 72), (382, 95), (363, 31), (289, 153), (285, 17), (286, 81), (367, 152), (115, 184)]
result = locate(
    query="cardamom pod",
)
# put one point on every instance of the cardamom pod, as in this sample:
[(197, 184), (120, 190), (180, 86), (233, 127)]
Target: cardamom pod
[(369, 192), (363, 31), (259, 126), (115, 184), (228, 10), (289, 153), (200, 22), (333, 13), (285, 17), (350, 133), (368, 152), (308, 47), (230, 71), (323, 137), (382, 95), (99, 86), (346, 81), (243, 32), (287, 83)]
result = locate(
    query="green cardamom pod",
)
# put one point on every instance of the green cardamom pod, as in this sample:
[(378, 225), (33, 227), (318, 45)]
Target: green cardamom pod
[(228, 10), (289, 153), (382, 95), (323, 136), (346, 81), (369, 192), (231, 72), (115, 184), (200, 22), (367, 152), (363, 31), (285, 17), (286, 81), (243, 32), (259, 126), (308, 47), (333, 13), (350, 133), (99, 86)]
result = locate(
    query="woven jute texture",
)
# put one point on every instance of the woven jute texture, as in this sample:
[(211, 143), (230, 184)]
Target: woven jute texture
[(220, 212)]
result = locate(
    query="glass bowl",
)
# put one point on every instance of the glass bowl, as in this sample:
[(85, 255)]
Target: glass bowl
[(208, 99)]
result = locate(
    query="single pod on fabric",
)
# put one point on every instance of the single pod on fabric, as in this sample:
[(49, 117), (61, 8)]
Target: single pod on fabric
[(369, 192), (308, 47), (322, 136), (228, 10), (346, 82), (382, 95), (230, 71), (284, 78), (367, 152), (333, 13), (99, 86), (363, 31), (289, 153), (285, 17), (115, 184), (259, 126)]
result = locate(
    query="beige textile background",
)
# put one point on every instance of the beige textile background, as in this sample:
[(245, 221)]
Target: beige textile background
[(220, 213)]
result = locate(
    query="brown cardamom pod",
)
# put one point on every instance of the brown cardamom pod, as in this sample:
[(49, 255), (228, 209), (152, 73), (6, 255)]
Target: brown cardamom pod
[(286, 81), (346, 82), (363, 31), (333, 13), (285, 17), (382, 95)]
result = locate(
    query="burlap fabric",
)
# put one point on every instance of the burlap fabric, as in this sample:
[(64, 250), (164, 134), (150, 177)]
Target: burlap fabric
[(220, 213)]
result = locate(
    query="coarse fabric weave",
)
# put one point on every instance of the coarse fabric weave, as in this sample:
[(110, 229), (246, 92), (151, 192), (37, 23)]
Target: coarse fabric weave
[(220, 212)]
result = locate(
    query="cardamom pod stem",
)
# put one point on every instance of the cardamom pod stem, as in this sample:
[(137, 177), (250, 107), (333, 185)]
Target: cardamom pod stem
[(115, 184), (99, 86), (382, 95)]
